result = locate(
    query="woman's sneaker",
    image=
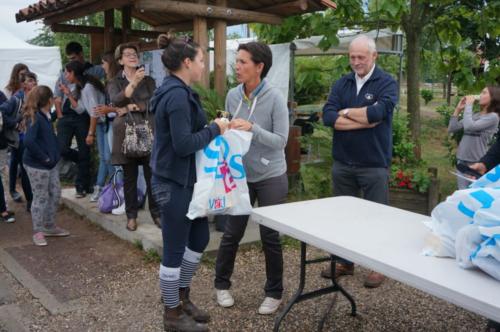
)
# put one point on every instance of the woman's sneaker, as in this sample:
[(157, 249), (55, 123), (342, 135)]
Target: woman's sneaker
[(56, 231), (224, 298), (8, 218), (97, 193), (119, 210), (269, 306), (39, 239)]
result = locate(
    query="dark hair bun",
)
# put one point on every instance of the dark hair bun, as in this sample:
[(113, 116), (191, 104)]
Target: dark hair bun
[(164, 40)]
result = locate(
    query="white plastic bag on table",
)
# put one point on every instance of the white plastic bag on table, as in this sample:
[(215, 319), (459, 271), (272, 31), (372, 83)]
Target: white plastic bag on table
[(487, 254), (467, 225), (459, 210), (221, 186)]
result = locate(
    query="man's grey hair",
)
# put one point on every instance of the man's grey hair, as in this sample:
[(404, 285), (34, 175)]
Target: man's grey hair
[(368, 41)]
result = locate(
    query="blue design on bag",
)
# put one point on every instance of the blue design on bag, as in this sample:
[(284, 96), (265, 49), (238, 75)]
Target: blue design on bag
[(483, 197), (235, 162)]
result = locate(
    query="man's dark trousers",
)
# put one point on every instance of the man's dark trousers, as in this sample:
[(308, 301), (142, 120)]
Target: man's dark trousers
[(370, 183), (76, 125)]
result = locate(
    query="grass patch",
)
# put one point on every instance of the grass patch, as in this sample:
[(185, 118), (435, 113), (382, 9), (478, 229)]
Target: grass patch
[(435, 153), (138, 244), (208, 259), (290, 242), (151, 256)]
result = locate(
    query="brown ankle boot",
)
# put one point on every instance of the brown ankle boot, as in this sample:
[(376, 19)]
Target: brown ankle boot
[(189, 308), (174, 319)]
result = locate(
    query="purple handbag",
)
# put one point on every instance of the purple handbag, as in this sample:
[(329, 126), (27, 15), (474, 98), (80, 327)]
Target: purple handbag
[(112, 195)]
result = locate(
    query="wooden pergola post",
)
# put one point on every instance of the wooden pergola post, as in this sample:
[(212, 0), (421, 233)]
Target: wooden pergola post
[(109, 30), (126, 22), (220, 37), (200, 34)]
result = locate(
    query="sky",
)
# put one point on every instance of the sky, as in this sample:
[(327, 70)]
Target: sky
[(23, 30)]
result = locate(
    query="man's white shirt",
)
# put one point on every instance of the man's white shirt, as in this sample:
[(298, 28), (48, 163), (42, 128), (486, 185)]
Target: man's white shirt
[(361, 81)]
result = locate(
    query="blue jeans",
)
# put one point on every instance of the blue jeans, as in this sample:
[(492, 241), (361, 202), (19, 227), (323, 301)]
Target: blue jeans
[(178, 231), (105, 167)]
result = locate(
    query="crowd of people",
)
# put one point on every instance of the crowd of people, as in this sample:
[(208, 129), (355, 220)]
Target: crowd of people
[(94, 105)]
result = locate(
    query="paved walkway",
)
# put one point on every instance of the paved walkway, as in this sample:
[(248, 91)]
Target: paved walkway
[(147, 233)]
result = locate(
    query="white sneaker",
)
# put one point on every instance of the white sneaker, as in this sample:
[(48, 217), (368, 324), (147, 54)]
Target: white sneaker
[(119, 210), (96, 194), (269, 306), (224, 298)]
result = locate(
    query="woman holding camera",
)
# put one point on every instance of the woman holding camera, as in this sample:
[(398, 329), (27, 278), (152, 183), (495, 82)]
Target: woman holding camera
[(131, 90), (478, 128)]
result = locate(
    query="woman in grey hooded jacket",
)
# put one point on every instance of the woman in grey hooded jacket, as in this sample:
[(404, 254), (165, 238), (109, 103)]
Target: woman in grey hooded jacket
[(257, 107)]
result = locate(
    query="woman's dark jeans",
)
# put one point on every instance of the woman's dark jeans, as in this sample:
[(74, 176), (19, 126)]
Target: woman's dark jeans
[(178, 231)]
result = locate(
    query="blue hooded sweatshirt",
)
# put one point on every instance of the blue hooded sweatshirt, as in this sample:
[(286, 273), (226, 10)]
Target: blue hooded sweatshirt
[(180, 130)]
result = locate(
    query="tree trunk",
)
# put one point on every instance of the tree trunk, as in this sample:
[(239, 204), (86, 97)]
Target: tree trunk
[(449, 87), (444, 89), (413, 81), (412, 24)]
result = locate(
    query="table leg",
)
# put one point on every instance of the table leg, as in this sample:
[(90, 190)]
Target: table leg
[(333, 266), (298, 293), (299, 296)]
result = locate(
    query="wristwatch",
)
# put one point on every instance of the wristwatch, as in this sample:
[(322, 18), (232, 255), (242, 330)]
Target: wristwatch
[(346, 113)]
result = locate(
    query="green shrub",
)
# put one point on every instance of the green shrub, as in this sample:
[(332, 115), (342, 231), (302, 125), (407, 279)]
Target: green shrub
[(211, 102), (403, 147), (427, 95), (450, 141)]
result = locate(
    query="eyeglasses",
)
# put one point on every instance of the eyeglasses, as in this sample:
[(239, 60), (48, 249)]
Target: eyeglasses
[(130, 55)]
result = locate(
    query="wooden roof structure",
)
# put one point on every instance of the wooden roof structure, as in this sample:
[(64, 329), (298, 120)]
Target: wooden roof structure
[(166, 15)]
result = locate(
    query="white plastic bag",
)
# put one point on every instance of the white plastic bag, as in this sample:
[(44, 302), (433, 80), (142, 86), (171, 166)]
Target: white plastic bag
[(221, 186), (467, 225), (459, 210)]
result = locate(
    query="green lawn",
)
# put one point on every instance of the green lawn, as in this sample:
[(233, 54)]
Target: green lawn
[(434, 152)]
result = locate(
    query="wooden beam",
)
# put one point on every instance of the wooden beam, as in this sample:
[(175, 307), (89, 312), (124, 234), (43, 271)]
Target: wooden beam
[(203, 10), (84, 8), (96, 47), (220, 36), (76, 28), (87, 29), (200, 34), (176, 27), (109, 30), (329, 4), (294, 6), (147, 46), (126, 22)]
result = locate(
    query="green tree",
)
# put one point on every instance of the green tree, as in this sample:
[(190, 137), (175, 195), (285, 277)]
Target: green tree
[(416, 18), (48, 38)]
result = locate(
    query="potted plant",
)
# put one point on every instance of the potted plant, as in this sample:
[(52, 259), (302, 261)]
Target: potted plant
[(412, 186)]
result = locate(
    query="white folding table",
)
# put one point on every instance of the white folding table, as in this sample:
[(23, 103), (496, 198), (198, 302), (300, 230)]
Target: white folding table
[(382, 238)]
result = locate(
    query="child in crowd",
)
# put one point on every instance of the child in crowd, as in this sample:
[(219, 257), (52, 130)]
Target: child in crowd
[(40, 158)]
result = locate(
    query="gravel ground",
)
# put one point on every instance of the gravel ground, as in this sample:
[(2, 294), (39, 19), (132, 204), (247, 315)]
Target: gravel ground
[(130, 302)]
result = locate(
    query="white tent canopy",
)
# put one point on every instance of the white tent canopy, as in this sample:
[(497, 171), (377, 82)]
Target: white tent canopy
[(43, 61)]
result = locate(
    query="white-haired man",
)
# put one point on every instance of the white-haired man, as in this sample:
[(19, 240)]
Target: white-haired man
[(359, 108)]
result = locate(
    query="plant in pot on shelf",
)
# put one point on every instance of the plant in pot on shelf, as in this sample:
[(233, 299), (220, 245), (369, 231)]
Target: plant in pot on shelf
[(413, 186)]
